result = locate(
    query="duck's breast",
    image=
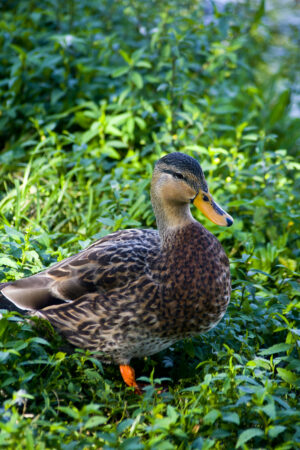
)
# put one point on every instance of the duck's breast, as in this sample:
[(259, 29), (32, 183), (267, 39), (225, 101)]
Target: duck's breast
[(195, 279)]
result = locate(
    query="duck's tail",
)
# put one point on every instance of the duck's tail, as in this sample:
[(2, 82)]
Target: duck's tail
[(5, 303)]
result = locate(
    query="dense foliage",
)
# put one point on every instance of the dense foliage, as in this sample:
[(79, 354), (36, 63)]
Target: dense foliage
[(92, 93)]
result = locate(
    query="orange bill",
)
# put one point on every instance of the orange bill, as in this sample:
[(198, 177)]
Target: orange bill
[(206, 204)]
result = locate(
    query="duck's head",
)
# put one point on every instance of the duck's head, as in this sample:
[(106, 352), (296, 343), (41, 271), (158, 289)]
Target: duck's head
[(177, 181)]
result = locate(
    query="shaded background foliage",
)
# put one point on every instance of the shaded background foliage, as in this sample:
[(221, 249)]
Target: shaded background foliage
[(92, 93)]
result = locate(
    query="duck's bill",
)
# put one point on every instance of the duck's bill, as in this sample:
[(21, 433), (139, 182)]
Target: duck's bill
[(206, 204)]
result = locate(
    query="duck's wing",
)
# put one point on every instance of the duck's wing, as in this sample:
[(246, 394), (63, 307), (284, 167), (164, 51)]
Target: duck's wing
[(108, 263)]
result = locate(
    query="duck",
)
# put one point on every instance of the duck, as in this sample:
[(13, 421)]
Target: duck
[(135, 292)]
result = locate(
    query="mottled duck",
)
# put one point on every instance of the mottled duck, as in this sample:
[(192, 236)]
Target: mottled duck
[(135, 292)]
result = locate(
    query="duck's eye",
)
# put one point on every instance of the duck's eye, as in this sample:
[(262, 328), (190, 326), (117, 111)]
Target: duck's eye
[(178, 175)]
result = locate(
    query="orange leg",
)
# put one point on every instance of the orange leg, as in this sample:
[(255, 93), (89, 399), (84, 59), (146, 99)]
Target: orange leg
[(128, 375)]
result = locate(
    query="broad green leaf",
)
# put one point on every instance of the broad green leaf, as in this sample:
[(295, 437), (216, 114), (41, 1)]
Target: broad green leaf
[(231, 417), (4, 357), (122, 70), (211, 417), (133, 443), (279, 109), (275, 430), (110, 151), (270, 410), (89, 135), (5, 261), (172, 413), (143, 63), (116, 144), (15, 234), (113, 130), (250, 137), (71, 412), (39, 340), (288, 376), (259, 362), (106, 221), (141, 123), (126, 57), (246, 435), (277, 348), (121, 427), (118, 119), (137, 79), (94, 422)]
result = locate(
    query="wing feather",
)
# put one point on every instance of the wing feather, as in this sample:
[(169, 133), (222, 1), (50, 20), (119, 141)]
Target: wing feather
[(104, 265)]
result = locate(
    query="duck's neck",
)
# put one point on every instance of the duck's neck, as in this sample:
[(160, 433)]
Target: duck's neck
[(171, 217)]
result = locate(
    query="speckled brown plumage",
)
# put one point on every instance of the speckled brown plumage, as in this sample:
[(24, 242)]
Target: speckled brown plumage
[(135, 292)]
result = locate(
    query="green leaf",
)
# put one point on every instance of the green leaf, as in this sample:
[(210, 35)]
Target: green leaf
[(211, 417), (119, 119), (278, 110), (270, 410), (133, 443), (4, 356), (56, 95), (5, 261), (274, 431), (95, 422), (39, 340), (14, 234), (231, 417), (137, 79), (172, 413), (106, 221), (71, 412), (144, 63), (114, 131), (260, 12), (259, 362), (250, 137), (121, 427), (277, 348), (246, 435), (116, 144), (126, 57), (109, 151), (89, 135), (288, 376), (120, 71)]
